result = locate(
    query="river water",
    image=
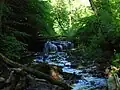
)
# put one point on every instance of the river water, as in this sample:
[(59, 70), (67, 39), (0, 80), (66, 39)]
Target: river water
[(87, 78)]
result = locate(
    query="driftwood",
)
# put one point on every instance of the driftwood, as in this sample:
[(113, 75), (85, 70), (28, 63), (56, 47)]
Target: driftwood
[(34, 72)]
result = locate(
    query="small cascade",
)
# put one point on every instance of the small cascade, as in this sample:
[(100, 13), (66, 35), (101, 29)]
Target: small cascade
[(57, 46), (84, 79)]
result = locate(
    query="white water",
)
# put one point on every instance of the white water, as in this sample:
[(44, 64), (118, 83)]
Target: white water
[(88, 83)]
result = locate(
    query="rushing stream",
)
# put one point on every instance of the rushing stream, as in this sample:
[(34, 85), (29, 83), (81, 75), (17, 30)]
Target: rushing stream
[(89, 79)]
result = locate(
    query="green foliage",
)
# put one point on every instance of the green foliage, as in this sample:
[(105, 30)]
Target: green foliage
[(41, 15), (21, 21), (98, 34), (116, 60), (10, 33), (69, 16), (11, 47), (96, 28), (61, 18)]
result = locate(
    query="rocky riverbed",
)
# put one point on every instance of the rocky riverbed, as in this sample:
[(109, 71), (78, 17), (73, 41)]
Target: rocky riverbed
[(79, 77)]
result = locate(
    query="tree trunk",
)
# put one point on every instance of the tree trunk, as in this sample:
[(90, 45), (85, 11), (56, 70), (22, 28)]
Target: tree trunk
[(93, 7)]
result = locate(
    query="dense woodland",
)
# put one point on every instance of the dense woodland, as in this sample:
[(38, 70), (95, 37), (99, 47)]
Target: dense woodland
[(25, 26)]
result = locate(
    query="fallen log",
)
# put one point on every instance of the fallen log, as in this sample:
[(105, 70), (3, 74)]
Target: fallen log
[(34, 72)]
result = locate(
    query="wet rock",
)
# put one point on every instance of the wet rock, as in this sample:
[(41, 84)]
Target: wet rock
[(74, 65), (84, 71), (2, 79), (92, 83), (57, 46), (2, 82)]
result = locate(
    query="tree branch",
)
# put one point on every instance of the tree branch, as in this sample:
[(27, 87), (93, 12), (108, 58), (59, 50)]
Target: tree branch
[(93, 7)]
